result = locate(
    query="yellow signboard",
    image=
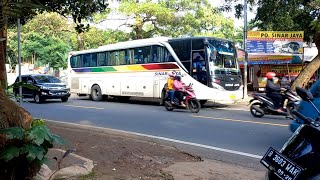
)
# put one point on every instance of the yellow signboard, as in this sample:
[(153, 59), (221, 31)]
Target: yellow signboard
[(296, 35)]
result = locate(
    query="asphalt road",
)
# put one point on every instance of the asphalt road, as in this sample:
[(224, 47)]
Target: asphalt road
[(230, 128)]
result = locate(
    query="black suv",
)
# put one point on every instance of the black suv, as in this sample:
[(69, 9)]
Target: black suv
[(43, 87)]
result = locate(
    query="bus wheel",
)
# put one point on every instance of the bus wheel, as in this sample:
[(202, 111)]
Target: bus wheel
[(96, 94), (163, 94), (202, 102)]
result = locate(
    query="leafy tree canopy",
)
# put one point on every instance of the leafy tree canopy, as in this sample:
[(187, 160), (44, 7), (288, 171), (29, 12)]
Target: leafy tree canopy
[(79, 10), (174, 18)]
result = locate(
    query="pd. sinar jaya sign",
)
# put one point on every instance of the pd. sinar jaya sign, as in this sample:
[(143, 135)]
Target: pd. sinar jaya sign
[(274, 47), (275, 42)]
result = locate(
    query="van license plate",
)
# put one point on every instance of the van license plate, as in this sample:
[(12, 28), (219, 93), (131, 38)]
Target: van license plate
[(283, 167)]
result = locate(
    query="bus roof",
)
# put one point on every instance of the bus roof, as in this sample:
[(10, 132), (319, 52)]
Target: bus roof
[(199, 37), (139, 42)]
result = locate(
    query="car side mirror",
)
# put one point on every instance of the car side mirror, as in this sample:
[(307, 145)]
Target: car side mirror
[(29, 82)]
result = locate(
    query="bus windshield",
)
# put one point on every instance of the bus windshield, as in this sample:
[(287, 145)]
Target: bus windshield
[(225, 60), (225, 54)]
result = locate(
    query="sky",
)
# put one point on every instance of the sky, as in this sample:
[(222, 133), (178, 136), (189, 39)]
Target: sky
[(116, 19)]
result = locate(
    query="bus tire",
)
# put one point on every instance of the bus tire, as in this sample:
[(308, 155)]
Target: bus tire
[(104, 97), (96, 94), (163, 94), (202, 102)]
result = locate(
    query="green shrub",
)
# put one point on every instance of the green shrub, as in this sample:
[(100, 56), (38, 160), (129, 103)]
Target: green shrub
[(25, 150)]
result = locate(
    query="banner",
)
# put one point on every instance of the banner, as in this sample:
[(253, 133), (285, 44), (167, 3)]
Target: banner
[(275, 42), (269, 59), (282, 70)]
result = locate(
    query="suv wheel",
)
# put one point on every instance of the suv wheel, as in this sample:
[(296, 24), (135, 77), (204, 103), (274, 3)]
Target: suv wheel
[(37, 98), (96, 93), (64, 99)]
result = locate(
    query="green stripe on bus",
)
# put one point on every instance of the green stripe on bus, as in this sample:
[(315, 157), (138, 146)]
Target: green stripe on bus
[(103, 69)]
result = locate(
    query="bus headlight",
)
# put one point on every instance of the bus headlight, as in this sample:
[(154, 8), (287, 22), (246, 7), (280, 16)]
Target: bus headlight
[(216, 86)]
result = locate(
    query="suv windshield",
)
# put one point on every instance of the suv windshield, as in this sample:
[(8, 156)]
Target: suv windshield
[(46, 79)]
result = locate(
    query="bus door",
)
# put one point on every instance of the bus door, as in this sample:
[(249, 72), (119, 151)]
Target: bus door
[(199, 67)]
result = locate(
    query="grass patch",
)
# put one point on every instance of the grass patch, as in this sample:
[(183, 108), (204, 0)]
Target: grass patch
[(89, 176)]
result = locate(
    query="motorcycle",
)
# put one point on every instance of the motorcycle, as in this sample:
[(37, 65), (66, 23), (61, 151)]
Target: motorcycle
[(261, 104), (297, 121), (189, 98), (299, 157)]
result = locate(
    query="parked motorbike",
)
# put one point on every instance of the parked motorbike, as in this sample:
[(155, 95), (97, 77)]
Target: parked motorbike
[(189, 98), (294, 125), (261, 104), (299, 157)]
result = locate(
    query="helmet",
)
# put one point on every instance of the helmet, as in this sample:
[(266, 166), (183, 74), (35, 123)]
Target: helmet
[(177, 77), (270, 75), (171, 73)]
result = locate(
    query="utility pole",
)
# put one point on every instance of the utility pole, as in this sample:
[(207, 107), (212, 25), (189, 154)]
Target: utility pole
[(245, 77), (19, 62)]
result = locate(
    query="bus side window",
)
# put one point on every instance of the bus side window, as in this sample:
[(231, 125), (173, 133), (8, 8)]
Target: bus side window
[(113, 58), (101, 59), (142, 55), (86, 60), (170, 58), (74, 62), (93, 62), (131, 56), (154, 53), (161, 54), (154, 58), (122, 57)]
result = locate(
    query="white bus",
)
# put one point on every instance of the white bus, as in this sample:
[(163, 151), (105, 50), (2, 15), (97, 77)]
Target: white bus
[(139, 68)]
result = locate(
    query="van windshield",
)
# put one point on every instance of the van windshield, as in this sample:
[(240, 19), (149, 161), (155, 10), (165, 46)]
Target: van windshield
[(46, 79)]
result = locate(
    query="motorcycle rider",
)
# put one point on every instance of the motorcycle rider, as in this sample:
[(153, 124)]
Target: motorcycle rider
[(170, 88), (179, 89), (273, 92)]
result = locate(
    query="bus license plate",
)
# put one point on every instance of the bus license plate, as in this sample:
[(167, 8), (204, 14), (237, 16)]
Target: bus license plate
[(283, 167), (232, 96)]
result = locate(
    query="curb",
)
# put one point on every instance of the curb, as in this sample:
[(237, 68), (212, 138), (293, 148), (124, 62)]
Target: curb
[(82, 166)]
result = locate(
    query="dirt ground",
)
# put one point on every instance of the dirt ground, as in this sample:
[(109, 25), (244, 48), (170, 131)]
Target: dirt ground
[(127, 157)]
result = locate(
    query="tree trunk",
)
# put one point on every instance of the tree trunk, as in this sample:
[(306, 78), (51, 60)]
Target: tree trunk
[(3, 73), (11, 114), (304, 77), (80, 42)]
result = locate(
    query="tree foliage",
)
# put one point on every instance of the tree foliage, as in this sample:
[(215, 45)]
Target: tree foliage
[(96, 37), (48, 37), (175, 18)]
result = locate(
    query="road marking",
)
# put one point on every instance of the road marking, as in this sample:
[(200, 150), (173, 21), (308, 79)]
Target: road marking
[(165, 139), (243, 121), (86, 107), (232, 109)]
